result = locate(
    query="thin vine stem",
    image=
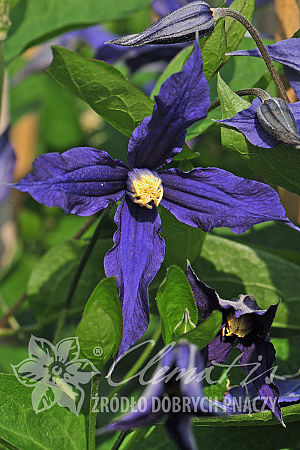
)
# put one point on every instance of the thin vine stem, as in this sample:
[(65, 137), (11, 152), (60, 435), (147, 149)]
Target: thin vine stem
[(120, 439), (77, 275), (225, 12), (263, 95), (92, 414)]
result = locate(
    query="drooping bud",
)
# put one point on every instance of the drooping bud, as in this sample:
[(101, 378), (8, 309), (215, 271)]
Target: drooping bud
[(184, 326), (276, 118), (179, 26)]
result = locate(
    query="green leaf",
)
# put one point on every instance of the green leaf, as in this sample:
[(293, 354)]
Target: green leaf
[(173, 297), (214, 49), (37, 21), (270, 237), (287, 355), (232, 269), (279, 165), (103, 87), (22, 428), (100, 329), (182, 241), (205, 331), (51, 278), (234, 29)]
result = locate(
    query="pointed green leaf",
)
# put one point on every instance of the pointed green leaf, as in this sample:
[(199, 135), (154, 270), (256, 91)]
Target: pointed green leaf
[(100, 329), (173, 297), (103, 87)]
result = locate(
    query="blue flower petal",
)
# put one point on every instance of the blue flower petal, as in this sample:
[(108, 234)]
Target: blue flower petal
[(211, 197), (246, 122), (182, 100), (81, 181), (261, 353), (206, 298), (135, 259)]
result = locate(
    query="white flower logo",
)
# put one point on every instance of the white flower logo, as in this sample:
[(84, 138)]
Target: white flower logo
[(55, 373)]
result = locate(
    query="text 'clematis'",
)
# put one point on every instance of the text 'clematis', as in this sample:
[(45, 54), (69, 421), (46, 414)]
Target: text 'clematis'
[(83, 181)]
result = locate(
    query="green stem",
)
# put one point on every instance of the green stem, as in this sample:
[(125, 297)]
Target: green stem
[(225, 12), (77, 275), (263, 95), (135, 368), (93, 415)]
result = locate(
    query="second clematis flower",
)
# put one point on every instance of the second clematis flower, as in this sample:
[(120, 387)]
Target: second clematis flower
[(247, 326), (83, 181)]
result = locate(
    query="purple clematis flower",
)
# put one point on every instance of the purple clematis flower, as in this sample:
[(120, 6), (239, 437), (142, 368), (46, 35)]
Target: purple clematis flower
[(83, 181), (174, 381), (286, 52), (246, 325), (247, 122), (7, 164)]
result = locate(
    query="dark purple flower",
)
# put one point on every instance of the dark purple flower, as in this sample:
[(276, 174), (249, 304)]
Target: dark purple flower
[(83, 181), (173, 383), (179, 26), (244, 400), (248, 123), (247, 326), (7, 164), (286, 52)]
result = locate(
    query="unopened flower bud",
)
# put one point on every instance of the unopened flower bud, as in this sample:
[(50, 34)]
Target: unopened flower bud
[(275, 116), (179, 26), (184, 326)]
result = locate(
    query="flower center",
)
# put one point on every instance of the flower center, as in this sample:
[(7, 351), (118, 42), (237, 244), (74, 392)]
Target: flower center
[(240, 327), (144, 187)]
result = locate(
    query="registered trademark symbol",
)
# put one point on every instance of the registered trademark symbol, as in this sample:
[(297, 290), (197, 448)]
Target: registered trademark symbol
[(98, 351)]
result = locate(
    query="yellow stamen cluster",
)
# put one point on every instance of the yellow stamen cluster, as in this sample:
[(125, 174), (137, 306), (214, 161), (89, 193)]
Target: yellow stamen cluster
[(145, 187), (240, 327)]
